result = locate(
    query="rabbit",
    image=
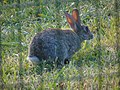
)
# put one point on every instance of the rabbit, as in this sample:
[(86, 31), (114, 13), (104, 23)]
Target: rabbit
[(58, 44)]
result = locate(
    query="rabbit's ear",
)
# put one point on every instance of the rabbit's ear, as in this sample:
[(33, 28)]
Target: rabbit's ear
[(70, 20), (75, 15)]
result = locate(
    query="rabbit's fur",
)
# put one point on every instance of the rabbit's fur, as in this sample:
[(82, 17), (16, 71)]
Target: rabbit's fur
[(57, 44)]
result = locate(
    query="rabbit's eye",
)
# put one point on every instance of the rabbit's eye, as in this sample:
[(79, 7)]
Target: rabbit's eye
[(86, 29)]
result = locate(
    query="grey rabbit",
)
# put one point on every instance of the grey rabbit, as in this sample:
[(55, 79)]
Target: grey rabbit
[(57, 44)]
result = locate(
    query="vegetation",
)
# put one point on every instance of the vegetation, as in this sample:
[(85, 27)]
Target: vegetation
[(94, 67)]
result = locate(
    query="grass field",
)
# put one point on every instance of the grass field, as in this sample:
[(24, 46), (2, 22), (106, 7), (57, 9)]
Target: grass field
[(93, 67)]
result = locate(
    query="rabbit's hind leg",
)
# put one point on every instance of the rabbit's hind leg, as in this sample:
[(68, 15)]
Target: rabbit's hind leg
[(66, 61)]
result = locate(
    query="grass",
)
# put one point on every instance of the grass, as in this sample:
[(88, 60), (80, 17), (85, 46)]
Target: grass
[(83, 71)]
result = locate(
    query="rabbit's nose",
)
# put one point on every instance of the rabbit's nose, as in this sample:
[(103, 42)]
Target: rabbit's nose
[(91, 36)]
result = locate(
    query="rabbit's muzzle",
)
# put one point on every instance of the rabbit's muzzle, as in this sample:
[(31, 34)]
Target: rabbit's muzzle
[(90, 36)]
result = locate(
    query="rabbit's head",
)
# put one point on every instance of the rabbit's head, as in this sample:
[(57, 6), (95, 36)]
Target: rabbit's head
[(74, 20)]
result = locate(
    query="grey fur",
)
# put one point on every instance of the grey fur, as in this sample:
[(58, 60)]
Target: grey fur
[(59, 44)]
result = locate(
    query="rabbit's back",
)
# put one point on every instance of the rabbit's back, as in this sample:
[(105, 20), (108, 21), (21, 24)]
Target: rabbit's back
[(54, 43)]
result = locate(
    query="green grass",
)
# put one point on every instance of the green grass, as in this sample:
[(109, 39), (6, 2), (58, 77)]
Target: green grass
[(83, 71)]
